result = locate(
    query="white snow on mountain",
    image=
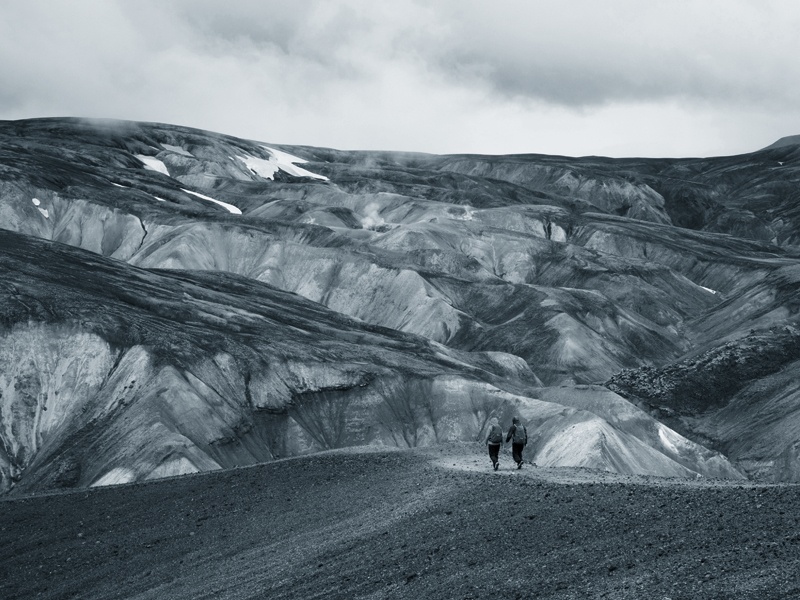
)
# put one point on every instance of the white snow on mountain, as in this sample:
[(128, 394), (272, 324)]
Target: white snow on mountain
[(153, 164), (267, 168), (176, 150), (229, 207), (287, 163), (44, 211), (260, 166)]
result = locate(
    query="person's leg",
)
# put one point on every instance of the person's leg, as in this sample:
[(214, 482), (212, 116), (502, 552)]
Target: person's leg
[(516, 450), (494, 454)]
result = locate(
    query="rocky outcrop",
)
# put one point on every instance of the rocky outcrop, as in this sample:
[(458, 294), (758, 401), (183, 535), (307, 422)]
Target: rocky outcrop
[(709, 380), (49, 377), (77, 222), (739, 397), (759, 427)]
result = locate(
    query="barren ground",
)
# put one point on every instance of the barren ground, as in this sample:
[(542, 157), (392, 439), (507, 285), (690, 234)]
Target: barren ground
[(434, 523)]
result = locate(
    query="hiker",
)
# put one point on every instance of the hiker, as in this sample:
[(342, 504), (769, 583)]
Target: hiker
[(518, 437), (494, 440)]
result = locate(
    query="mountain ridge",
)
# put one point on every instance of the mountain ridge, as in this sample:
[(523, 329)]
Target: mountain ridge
[(787, 140), (533, 270)]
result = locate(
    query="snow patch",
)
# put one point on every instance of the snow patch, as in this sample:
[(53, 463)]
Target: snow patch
[(709, 290), (229, 207), (153, 164), (177, 150), (159, 199), (284, 157), (118, 185), (37, 203), (267, 168), (286, 162), (115, 477), (260, 166)]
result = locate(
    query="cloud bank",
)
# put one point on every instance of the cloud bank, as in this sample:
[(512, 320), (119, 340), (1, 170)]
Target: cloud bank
[(572, 77)]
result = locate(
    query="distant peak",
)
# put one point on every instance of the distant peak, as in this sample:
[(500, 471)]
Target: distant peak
[(789, 140)]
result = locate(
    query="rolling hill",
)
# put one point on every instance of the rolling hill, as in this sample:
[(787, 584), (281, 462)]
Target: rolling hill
[(176, 300)]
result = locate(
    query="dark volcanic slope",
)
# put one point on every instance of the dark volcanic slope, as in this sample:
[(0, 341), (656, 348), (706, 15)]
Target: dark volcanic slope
[(394, 525)]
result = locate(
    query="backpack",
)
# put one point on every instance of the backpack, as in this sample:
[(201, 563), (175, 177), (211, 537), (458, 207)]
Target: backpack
[(495, 435), (520, 435)]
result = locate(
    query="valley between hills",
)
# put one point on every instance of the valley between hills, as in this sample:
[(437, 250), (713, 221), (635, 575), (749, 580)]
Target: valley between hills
[(240, 369), (177, 301)]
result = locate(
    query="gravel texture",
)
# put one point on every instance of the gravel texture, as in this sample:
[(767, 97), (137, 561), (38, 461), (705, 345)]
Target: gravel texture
[(435, 523)]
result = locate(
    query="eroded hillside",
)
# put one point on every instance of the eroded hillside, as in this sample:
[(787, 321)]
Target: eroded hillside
[(521, 270), (111, 374)]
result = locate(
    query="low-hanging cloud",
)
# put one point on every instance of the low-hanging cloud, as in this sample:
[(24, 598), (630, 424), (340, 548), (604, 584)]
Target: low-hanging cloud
[(455, 75), (582, 53), (575, 53)]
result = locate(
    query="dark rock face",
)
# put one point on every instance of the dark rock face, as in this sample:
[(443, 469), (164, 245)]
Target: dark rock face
[(296, 291), (740, 397), (709, 381)]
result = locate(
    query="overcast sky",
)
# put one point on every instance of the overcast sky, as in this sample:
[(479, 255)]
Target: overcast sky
[(611, 77)]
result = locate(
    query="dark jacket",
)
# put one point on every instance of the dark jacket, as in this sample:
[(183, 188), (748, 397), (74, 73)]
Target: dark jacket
[(523, 434)]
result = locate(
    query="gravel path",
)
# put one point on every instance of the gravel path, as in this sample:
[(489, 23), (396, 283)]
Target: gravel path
[(435, 523)]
